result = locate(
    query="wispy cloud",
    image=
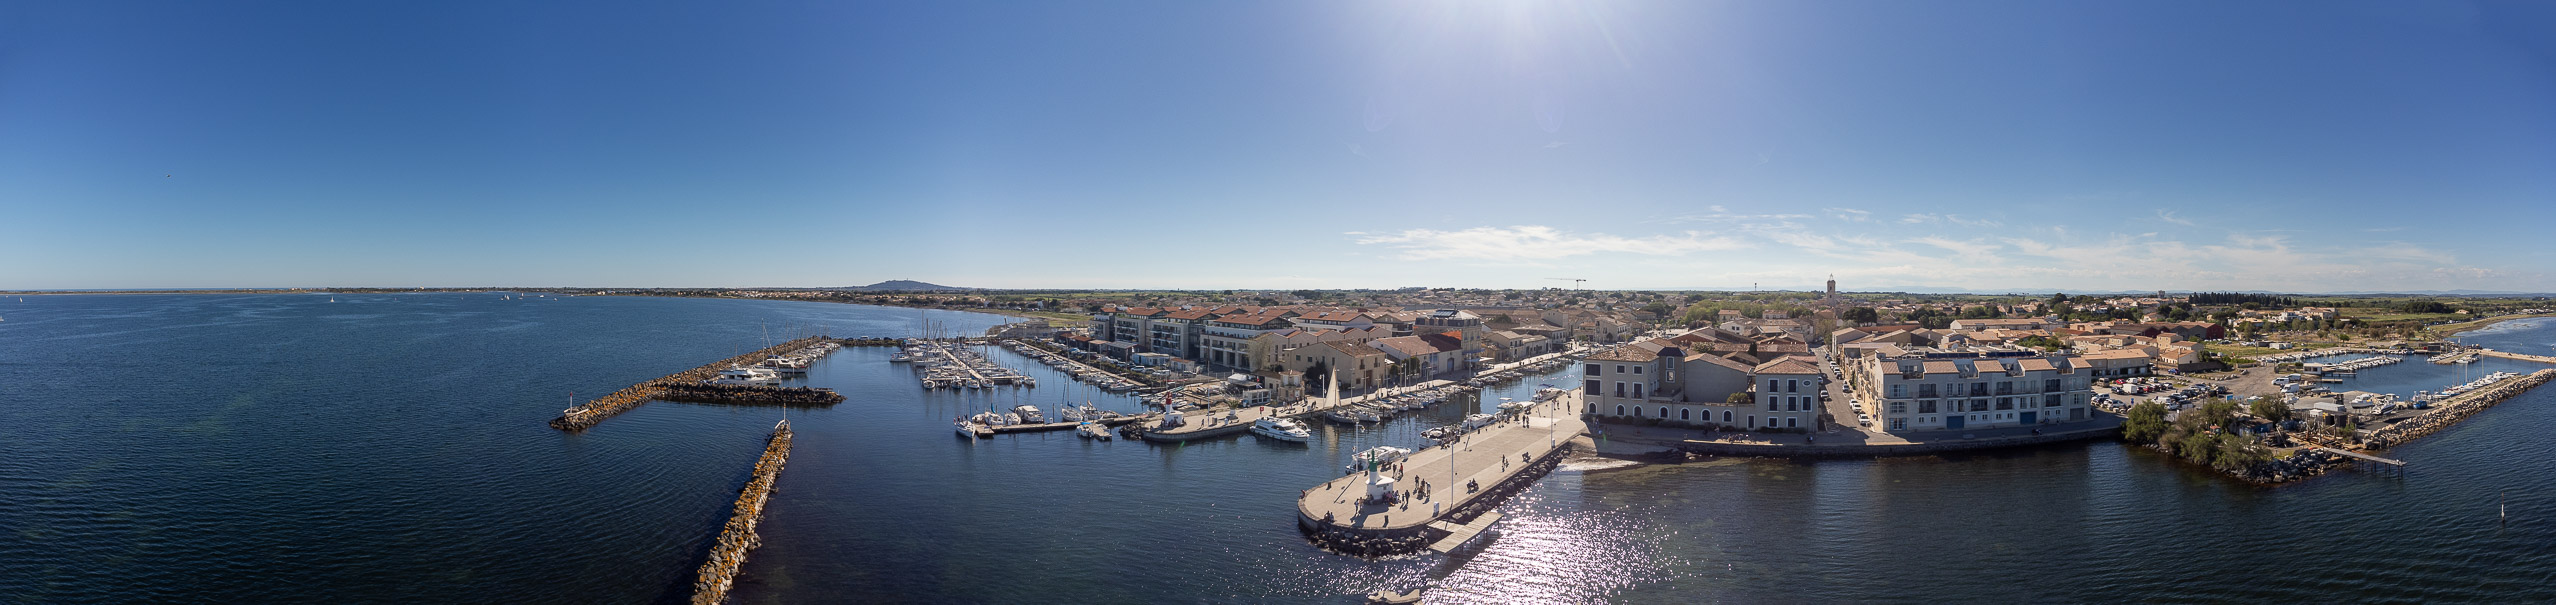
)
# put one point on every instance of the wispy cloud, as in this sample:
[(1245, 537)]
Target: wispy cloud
[(1536, 242), (1849, 214), (1928, 218), (2168, 216)]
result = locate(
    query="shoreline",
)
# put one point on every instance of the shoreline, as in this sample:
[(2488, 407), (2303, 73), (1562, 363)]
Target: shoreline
[(2480, 324)]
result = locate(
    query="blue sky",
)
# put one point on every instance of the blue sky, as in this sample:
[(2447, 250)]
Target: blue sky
[(2294, 146)]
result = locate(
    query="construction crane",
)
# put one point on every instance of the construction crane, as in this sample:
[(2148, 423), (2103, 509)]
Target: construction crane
[(1575, 282)]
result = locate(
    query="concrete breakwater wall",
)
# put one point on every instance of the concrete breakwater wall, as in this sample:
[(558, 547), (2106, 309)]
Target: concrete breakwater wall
[(867, 342), (748, 394), (2456, 409), (594, 411), (719, 573)]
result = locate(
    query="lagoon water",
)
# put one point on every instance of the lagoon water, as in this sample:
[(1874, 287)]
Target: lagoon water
[(392, 448)]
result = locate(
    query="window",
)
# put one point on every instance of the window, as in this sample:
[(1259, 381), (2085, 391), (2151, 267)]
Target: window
[(1792, 405), (1774, 404), (2050, 401), (1637, 369), (1898, 391), (2005, 403), (1637, 390), (1685, 414), (1664, 411), (1593, 369), (2005, 387), (1978, 405), (1619, 410), (1619, 368), (1792, 422), (1899, 407), (1726, 415), (1593, 389), (1926, 407), (2050, 385), (1752, 421), (1792, 386), (1619, 389), (1925, 391), (1898, 424), (1979, 389)]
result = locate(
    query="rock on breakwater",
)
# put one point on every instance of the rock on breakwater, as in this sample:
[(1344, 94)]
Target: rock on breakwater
[(595, 411), (719, 572)]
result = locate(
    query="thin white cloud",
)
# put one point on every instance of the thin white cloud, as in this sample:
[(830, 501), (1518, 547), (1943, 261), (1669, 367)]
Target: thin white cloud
[(1849, 214), (1536, 242), (2168, 216)]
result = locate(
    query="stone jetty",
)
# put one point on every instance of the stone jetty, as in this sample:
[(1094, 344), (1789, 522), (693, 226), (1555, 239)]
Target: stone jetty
[(719, 573), (742, 394), (1438, 497), (594, 411), (2453, 410)]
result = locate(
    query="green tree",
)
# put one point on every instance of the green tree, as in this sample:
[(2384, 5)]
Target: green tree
[(2144, 423), (1862, 315)]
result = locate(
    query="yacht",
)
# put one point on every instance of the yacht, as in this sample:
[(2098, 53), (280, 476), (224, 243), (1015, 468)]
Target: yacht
[(1093, 430), (1029, 414), (1281, 429), (968, 430), (747, 376)]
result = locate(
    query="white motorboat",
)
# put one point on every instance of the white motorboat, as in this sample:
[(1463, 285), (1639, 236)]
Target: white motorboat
[(1093, 430), (1281, 429), (747, 376), (1029, 414), (1377, 456), (968, 430)]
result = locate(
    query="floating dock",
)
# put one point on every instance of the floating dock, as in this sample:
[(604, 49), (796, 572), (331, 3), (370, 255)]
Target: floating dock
[(1496, 461), (594, 411), (719, 573)]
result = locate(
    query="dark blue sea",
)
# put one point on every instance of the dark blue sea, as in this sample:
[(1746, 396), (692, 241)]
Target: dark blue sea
[(285, 448)]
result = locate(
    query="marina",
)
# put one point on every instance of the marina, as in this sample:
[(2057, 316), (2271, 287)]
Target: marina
[(1084, 372), (648, 483), (953, 365)]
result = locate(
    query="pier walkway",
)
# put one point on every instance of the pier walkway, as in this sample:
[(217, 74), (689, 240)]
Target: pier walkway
[(2519, 356), (1433, 480), (1203, 424)]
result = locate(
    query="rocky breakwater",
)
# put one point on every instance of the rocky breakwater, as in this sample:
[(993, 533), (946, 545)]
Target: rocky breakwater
[(594, 411), (2455, 409), (749, 394), (719, 573)]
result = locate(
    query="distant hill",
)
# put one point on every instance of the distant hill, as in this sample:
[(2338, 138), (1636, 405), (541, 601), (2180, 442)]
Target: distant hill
[(906, 284)]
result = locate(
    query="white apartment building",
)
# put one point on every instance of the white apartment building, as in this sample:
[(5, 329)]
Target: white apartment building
[(1976, 387)]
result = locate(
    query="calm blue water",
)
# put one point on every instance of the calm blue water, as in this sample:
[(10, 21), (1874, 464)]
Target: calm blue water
[(282, 448)]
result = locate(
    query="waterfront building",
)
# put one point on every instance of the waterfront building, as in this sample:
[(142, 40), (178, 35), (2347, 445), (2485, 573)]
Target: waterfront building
[(1969, 387), (1655, 380), (1226, 341), (1466, 326), (1357, 366), (1786, 392)]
